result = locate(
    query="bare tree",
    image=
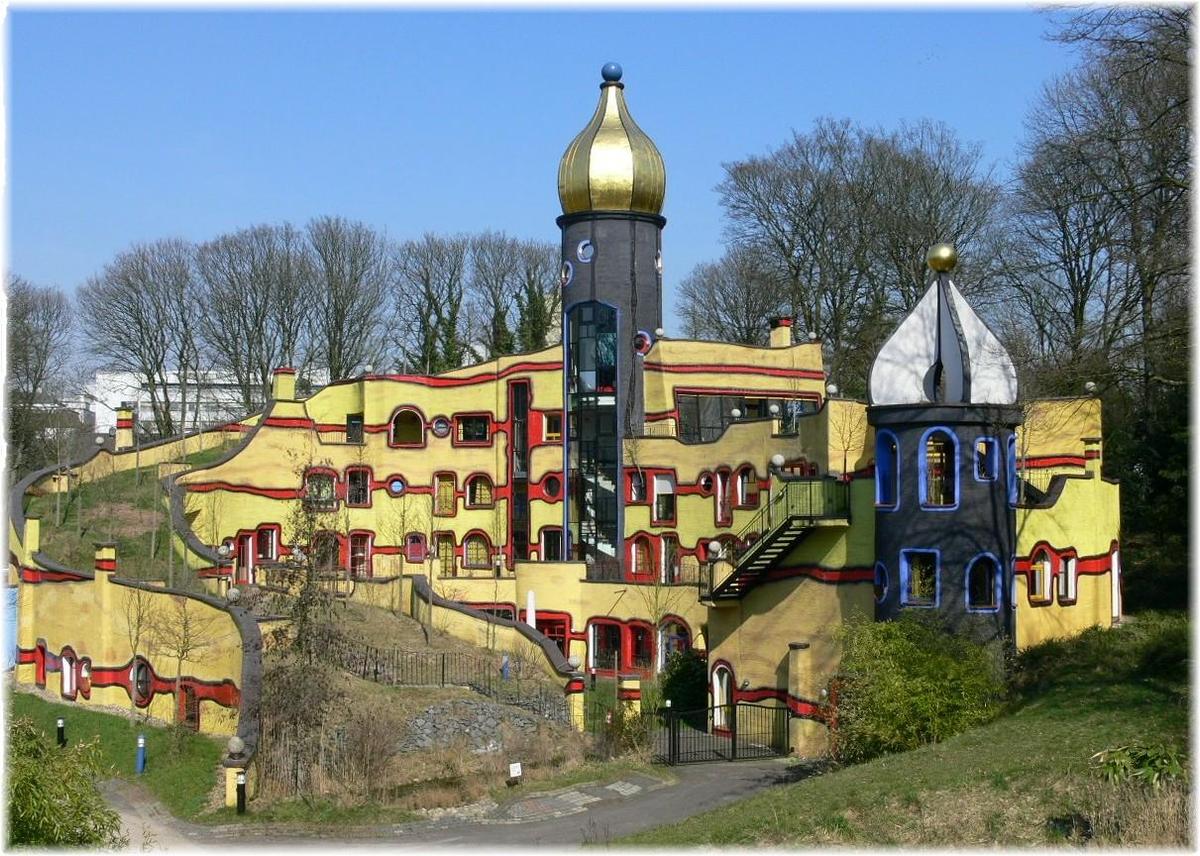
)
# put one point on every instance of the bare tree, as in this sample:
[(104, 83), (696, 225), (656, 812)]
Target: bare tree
[(39, 334), (428, 296), (538, 297), (184, 632), (495, 261), (351, 271), (730, 299), (140, 313), (256, 286)]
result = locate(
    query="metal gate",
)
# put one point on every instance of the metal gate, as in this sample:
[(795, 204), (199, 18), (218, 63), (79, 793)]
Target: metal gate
[(729, 732)]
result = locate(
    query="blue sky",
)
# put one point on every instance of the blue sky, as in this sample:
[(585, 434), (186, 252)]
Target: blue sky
[(131, 126)]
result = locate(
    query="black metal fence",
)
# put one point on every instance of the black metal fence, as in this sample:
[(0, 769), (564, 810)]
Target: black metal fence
[(505, 678), (732, 732)]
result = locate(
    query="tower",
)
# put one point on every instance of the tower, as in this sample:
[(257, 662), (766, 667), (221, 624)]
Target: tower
[(611, 183), (943, 402)]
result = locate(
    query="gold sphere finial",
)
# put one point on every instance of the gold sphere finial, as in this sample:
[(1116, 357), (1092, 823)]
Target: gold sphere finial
[(942, 258)]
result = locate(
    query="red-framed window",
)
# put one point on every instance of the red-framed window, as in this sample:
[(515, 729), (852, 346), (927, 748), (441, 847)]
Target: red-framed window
[(557, 628), (664, 512), (641, 558), (445, 502), (472, 429), (320, 489), (443, 545), (724, 497), (479, 492), (604, 647), (746, 486), (406, 429), (360, 555), (552, 432), (415, 549), (358, 487), (551, 540), (636, 487), (266, 543), (326, 552), (641, 646), (477, 551)]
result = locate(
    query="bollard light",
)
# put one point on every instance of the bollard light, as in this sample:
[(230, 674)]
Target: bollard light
[(62, 732), (241, 791), (140, 764)]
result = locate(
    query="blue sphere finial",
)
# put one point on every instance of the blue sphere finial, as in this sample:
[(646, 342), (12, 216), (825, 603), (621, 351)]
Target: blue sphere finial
[(611, 72)]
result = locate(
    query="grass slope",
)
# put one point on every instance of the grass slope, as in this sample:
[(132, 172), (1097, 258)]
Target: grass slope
[(1002, 783), (180, 772)]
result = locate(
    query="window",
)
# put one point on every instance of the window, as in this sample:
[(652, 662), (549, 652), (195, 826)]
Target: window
[(358, 487), (1012, 471), (407, 429), (983, 584), (190, 704), (606, 646), (919, 578), (360, 555), (326, 552), (414, 547), (444, 500), (319, 492), (555, 629), (642, 555), (939, 469), (887, 471), (445, 554), (1041, 570), (724, 499), (139, 679), (552, 487), (881, 582), (664, 500), (264, 544), (66, 665), (671, 638), (670, 560), (479, 492), (1068, 579), (747, 488), (477, 553), (551, 545), (472, 429), (553, 427), (354, 427), (987, 459), (641, 646), (637, 486)]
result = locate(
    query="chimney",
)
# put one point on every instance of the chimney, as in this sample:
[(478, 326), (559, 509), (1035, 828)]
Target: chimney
[(125, 426), (106, 556), (283, 384), (781, 332)]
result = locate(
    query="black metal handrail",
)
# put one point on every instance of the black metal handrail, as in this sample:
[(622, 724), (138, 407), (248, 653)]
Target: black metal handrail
[(810, 498)]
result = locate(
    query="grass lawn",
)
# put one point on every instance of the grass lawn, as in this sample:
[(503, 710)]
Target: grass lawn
[(1003, 783), (182, 774)]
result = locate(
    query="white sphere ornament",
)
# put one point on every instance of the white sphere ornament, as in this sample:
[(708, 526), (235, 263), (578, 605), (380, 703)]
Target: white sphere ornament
[(236, 745), (832, 389), (777, 460), (736, 413), (1090, 386), (232, 595), (774, 409), (573, 661), (659, 332), (812, 335)]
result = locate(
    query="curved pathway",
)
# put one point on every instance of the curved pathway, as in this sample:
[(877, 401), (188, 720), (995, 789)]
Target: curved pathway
[(592, 813)]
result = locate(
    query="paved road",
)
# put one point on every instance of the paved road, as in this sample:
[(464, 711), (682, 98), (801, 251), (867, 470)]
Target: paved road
[(590, 813)]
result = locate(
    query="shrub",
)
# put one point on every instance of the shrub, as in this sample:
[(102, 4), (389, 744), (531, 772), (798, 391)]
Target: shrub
[(1149, 765), (908, 682), (684, 680), (52, 795)]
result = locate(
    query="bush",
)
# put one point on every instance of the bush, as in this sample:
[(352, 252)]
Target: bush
[(684, 680), (908, 682), (52, 795)]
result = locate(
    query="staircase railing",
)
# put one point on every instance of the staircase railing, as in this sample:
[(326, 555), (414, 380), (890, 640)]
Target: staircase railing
[(812, 499)]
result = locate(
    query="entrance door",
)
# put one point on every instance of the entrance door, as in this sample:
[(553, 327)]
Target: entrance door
[(246, 560), (722, 695)]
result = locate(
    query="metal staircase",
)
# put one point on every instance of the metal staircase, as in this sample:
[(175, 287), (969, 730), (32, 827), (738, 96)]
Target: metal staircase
[(794, 510)]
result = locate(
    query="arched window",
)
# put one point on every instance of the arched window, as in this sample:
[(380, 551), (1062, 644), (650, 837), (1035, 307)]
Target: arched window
[(722, 696), (479, 492), (477, 553), (1041, 571), (444, 543), (319, 494), (642, 556), (1067, 580), (881, 582), (641, 645), (407, 429), (747, 488), (140, 683), (66, 665), (919, 578), (673, 636), (414, 547), (983, 584), (887, 470), (939, 469)]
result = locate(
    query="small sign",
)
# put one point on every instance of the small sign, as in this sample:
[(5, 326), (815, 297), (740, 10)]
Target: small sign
[(514, 770)]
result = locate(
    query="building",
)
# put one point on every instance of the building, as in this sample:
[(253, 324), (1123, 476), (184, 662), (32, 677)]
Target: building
[(626, 494)]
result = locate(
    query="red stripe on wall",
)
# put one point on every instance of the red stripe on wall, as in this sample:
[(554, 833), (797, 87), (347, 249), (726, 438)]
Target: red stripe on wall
[(1051, 461), (288, 422), (733, 368), (272, 492), (825, 575), (798, 706), (37, 575)]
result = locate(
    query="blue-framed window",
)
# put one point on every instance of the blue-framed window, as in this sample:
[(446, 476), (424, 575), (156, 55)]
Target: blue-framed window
[(982, 585), (987, 459), (881, 582), (887, 471), (920, 578), (1012, 470), (938, 464)]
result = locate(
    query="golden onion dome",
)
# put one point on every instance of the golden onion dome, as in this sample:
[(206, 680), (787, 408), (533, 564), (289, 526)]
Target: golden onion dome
[(612, 165)]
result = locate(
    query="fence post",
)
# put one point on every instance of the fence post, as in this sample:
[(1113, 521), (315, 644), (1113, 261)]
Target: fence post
[(672, 736), (733, 730), (443, 668)]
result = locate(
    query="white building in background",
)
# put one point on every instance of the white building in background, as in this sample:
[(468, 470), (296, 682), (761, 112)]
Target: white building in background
[(212, 400)]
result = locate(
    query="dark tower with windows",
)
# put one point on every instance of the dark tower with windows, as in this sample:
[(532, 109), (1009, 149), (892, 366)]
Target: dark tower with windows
[(611, 183), (943, 395)]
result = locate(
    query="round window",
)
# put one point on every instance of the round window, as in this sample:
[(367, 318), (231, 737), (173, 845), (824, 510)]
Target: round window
[(565, 274), (440, 426), (658, 262), (585, 251), (642, 342), (706, 483), (396, 485), (552, 486)]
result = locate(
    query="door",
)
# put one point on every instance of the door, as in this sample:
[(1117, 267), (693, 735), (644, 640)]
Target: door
[(722, 696), (245, 574)]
